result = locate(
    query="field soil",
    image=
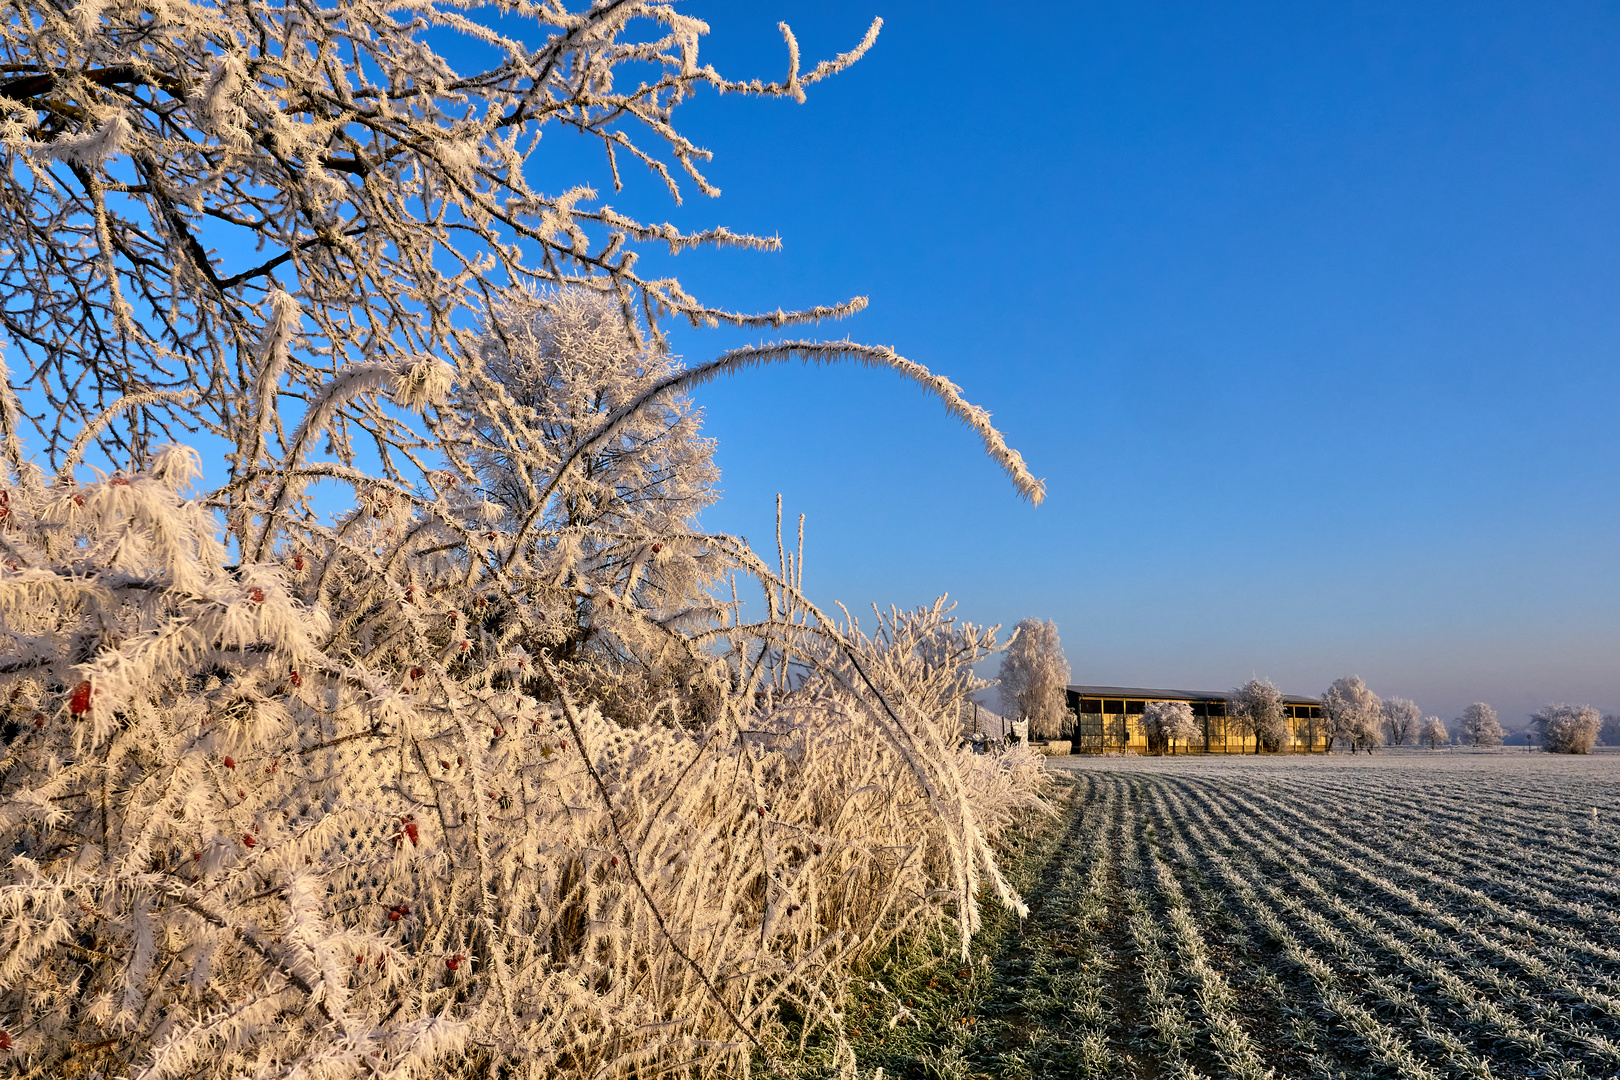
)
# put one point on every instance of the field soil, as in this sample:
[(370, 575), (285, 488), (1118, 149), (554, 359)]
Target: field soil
[(1446, 915)]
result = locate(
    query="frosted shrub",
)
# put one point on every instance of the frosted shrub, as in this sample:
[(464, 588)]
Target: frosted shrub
[(393, 840), (1568, 729), (478, 778)]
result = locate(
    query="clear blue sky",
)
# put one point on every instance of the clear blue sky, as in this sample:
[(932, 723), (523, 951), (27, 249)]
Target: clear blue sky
[(1307, 316)]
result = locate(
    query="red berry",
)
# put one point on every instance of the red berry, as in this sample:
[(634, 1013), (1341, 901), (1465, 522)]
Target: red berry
[(196, 856), (295, 678), (393, 916), (39, 721), (761, 811), (465, 645), (460, 760), (410, 831), (359, 959), (80, 701), (657, 548), (489, 536), (499, 732), (417, 673), (818, 849), (443, 764), (78, 500), (247, 838), (256, 594), (615, 860), (298, 562), (5, 1040), (119, 481), (230, 762), (452, 962)]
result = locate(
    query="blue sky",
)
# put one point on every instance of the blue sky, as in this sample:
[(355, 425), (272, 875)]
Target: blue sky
[(1308, 318)]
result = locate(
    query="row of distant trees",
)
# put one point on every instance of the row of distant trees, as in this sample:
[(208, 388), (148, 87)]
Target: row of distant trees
[(1353, 712), (1034, 673)]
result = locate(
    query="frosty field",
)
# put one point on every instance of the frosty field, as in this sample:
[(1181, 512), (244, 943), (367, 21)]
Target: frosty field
[(1394, 916)]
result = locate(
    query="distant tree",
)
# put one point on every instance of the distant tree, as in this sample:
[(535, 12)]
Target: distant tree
[(1479, 725), (1433, 732), (1034, 676), (1402, 718), (1609, 731), (1353, 713), (1256, 708), (1167, 721), (1567, 729)]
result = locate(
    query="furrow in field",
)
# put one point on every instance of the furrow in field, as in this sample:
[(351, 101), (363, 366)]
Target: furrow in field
[(1055, 1016), (1164, 1011), (1551, 877), (1401, 935), (1289, 1016), (1367, 941), (1483, 906), (1303, 1052), (1353, 996)]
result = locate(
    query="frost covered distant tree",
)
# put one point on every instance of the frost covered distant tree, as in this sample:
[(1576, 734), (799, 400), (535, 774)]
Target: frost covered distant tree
[(1402, 719), (1433, 732), (1353, 713), (1256, 709), (1609, 731), (1165, 722), (1479, 727), (1567, 729), (1034, 677), (338, 798)]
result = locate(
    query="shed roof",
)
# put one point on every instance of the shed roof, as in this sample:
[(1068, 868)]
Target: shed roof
[(1149, 694)]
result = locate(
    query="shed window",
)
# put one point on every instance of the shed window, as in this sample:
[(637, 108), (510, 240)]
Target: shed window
[(1113, 706), (1135, 708), (1091, 705)]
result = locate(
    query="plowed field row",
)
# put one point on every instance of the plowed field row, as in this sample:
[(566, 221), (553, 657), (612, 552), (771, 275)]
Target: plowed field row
[(1311, 919)]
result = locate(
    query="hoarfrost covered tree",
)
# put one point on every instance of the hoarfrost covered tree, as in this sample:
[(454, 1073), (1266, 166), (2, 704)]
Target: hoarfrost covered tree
[(1402, 719), (323, 797), (554, 367), (1034, 677), (1479, 726), (1353, 713), (1167, 721), (1609, 731), (1433, 732), (1256, 709), (1568, 729)]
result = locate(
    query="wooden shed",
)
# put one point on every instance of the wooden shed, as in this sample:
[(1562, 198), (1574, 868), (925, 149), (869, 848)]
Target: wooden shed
[(1109, 718)]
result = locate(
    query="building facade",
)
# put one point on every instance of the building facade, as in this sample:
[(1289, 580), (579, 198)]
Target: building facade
[(1109, 719)]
